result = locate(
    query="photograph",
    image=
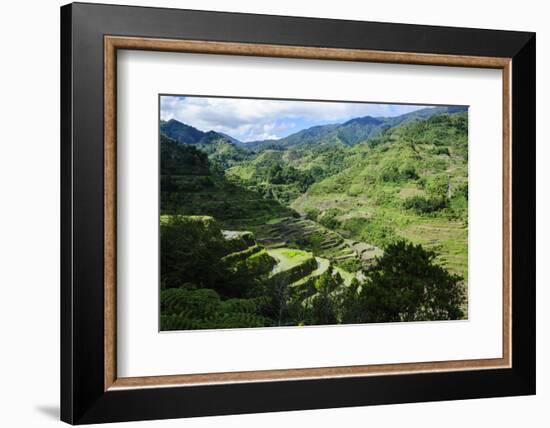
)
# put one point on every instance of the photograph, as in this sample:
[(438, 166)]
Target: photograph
[(261, 212), (288, 213)]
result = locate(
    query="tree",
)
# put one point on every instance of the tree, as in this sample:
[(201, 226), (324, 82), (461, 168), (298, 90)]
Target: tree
[(323, 310), (324, 305), (191, 251), (178, 159), (406, 285)]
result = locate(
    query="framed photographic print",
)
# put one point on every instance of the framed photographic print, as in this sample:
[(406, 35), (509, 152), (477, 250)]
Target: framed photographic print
[(266, 213)]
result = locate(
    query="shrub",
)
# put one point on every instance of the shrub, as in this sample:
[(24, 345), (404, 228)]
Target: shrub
[(312, 213), (355, 189), (458, 203), (240, 241), (408, 172), (377, 230), (350, 265), (180, 159), (442, 151), (405, 284), (328, 218), (354, 225), (423, 205), (437, 186)]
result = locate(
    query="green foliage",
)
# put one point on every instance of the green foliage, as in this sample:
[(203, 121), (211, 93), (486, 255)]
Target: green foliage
[(177, 159), (437, 186), (201, 303), (396, 172), (328, 282), (191, 185), (441, 197), (239, 256), (323, 310), (407, 285), (223, 153), (184, 309), (329, 218), (179, 132), (222, 150), (250, 271), (423, 205), (312, 213), (377, 230), (192, 249), (410, 178), (239, 241), (440, 130), (350, 265), (272, 177), (442, 151), (458, 203), (284, 174), (324, 306)]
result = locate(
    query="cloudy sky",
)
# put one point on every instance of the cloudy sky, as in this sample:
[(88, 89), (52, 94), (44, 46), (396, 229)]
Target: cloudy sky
[(250, 119)]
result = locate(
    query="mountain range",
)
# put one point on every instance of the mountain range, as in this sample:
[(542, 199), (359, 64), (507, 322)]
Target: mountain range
[(348, 133)]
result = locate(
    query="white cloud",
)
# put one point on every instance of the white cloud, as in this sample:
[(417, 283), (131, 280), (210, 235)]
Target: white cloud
[(252, 119)]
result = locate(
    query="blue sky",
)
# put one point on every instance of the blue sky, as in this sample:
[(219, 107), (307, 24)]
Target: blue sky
[(250, 119)]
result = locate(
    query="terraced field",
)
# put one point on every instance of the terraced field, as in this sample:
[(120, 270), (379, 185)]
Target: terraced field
[(297, 268), (447, 238), (323, 266), (311, 236)]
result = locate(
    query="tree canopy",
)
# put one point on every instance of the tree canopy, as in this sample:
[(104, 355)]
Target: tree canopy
[(407, 285)]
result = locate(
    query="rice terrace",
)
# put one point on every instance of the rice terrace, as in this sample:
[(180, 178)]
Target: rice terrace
[(296, 213)]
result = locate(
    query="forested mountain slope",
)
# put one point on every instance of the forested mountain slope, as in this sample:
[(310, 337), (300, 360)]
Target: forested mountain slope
[(191, 184), (223, 149), (351, 132), (411, 182)]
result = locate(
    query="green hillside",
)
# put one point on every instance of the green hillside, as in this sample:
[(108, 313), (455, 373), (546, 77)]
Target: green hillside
[(221, 148), (412, 183), (191, 184)]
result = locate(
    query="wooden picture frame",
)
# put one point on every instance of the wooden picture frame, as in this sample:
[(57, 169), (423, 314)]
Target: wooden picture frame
[(91, 390)]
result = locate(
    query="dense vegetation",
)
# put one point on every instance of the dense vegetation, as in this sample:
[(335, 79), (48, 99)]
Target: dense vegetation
[(360, 222)]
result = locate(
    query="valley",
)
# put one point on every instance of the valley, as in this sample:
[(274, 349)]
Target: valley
[(292, 232)]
